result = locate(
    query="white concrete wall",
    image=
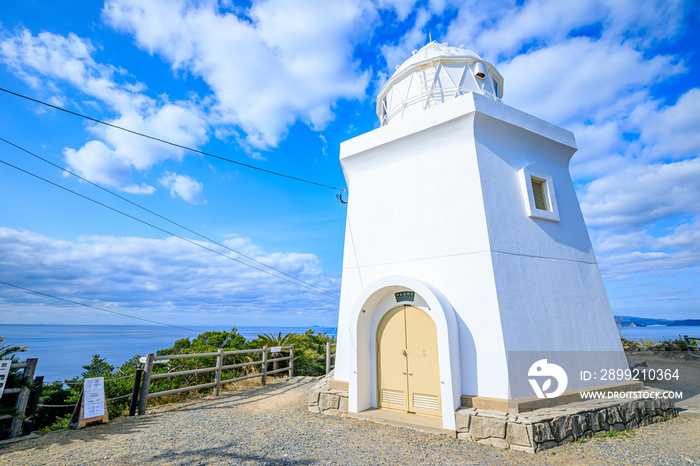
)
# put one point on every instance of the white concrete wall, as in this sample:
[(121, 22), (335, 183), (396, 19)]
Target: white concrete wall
[(437, 198), (550, 292), (416, 210)]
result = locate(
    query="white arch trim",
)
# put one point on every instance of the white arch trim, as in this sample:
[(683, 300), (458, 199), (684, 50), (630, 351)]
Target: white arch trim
[(362, 381)]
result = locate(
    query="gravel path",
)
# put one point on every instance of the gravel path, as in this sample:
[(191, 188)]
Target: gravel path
[(270, 425)]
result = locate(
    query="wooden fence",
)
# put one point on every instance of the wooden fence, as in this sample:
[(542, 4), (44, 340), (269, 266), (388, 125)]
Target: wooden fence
[(23, 396), (330, 356), (219, 368)]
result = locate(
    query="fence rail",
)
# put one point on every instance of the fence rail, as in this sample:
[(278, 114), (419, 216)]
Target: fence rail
[(330, 356), (23, 396), (148, 376)]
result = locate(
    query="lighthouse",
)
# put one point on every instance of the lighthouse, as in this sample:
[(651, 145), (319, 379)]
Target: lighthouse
[(466, 260)]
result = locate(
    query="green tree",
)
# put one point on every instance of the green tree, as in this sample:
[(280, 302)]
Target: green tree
[(98, 367), (271, 341), (216, 340), (9, 350), (310, 352)]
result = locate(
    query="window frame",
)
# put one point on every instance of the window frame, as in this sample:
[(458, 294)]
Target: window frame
[(527, 175)]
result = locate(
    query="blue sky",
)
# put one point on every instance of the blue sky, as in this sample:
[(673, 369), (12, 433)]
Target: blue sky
[(280, 84)]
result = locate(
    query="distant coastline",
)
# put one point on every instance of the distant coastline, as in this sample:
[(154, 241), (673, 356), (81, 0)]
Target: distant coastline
[(627, 321)]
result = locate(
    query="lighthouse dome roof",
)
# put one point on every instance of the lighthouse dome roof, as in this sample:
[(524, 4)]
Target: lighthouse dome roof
[(433, 75)]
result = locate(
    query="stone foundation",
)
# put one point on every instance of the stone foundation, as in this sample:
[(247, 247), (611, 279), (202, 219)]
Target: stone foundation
[(327, 400), (550, 427), (532, 431)]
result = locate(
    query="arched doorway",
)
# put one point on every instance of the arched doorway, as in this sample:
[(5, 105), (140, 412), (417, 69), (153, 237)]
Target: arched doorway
[(408, 373)]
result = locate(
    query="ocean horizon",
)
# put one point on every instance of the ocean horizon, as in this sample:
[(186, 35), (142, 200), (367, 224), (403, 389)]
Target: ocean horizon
[(62, 350)]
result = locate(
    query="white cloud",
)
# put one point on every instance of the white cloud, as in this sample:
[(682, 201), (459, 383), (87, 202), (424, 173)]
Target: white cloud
[(579, 78), (669, 132), (182, 186), (495, 29), (162, 279), (268, 66), (402, 7), (642, 194), (46, 59)]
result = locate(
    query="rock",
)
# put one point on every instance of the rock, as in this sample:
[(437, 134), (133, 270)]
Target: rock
[(667, 403), (329, 401), (562, 427), (465, 436), (582, 424), (629, 411), (567, 439), (462, 420), (499, 442), (597, 421), (496, 442), (521, 448), (343, 406), (546, 446), (542, 432), (614, 415), (482, 428), (633, 424), (517, 434), (313, 398)]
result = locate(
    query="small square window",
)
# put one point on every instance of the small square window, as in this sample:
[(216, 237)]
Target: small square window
[(538, 194)]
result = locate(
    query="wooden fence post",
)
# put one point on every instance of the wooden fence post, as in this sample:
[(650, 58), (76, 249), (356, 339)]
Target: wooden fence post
[(219, 363), (264, 365), (148, 368), (33, 405), (23, 397), (135, 392), (291, 360), (328, 357)]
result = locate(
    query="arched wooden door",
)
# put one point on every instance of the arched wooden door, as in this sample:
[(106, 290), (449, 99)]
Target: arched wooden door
[(408, 376)]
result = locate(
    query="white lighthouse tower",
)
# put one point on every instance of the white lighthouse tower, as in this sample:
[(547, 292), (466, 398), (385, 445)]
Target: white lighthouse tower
[(465, 248)]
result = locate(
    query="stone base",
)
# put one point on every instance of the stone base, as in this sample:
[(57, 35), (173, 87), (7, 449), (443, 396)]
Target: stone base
[(550, 427), (327, 400)]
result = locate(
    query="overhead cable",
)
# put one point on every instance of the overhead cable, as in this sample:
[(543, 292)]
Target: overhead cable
[(174, 144), (319, 289), (95, 307), (169, 232)]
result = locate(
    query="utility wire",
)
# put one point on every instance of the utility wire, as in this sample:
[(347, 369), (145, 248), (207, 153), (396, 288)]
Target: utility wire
[(169, 232), (95, 307), (164, 218), (174, 144)]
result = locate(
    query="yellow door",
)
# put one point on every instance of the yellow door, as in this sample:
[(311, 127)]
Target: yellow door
[(408, 376)]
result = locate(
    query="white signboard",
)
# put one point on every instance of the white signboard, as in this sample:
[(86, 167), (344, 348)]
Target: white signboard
[(94, 398), (4, 371), (142, 360), (275, 349)]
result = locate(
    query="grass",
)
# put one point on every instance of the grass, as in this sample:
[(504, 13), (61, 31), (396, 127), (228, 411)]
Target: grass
[(629, 433)]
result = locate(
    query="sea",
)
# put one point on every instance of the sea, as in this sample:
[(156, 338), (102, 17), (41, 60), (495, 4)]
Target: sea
[(658, 332), (62, 350)]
